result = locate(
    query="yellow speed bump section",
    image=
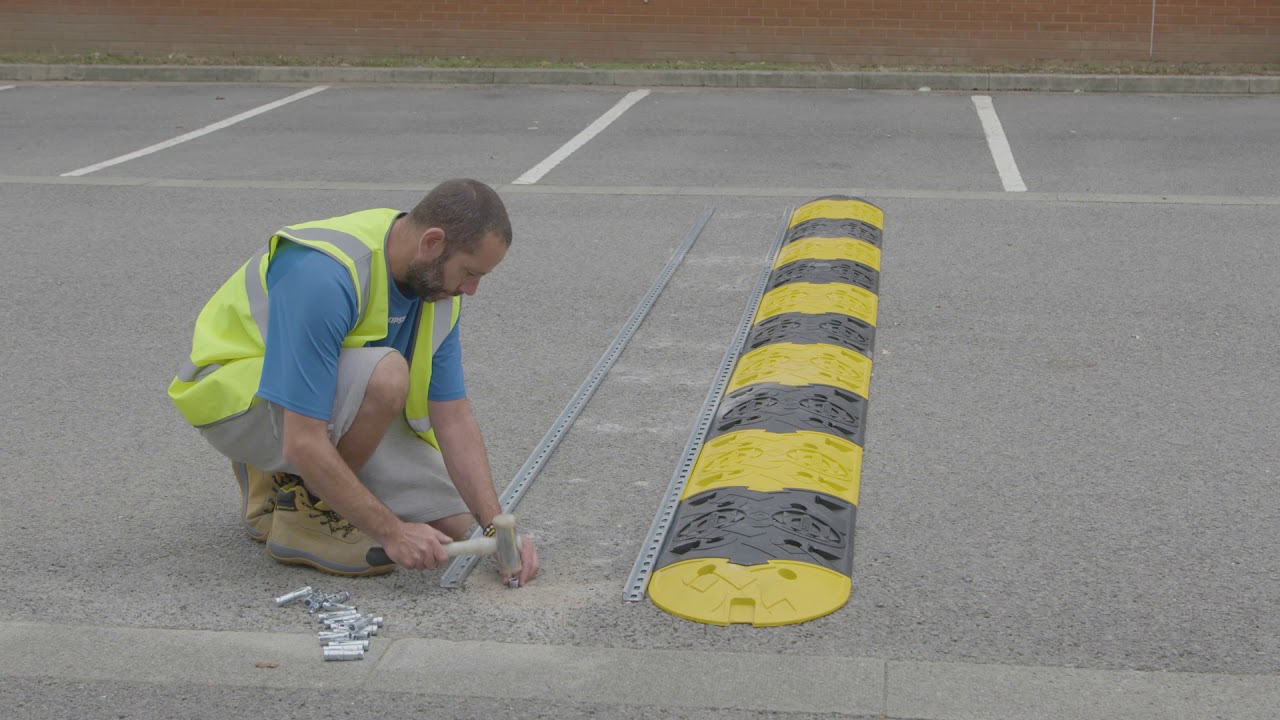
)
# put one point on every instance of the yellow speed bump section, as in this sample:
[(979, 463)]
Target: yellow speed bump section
[(819, 298), (839, 210), (770, 462), (719, 592), (791, 364), (830, 249)]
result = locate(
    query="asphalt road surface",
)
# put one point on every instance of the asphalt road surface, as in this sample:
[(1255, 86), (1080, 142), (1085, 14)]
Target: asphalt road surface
[(1069, 500)]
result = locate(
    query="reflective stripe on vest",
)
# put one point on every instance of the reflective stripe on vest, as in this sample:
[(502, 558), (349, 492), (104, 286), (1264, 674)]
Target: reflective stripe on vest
[(255, 283), (444, 315), (258, 308), (350, 246)]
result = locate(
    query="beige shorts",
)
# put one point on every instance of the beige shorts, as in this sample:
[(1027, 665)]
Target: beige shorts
[(405, 473)]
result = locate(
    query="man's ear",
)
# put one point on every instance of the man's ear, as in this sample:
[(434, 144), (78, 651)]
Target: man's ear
[(431, 243)]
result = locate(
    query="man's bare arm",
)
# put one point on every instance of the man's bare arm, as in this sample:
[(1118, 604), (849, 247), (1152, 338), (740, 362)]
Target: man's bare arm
[(465, 457), (467, 461)]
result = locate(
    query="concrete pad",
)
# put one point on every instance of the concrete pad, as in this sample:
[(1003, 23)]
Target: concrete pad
[(652, 677), (45, 699), (84, 653), (979, 692)]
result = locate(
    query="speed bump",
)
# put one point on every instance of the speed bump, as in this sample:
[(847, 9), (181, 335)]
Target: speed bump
[(763, 532)]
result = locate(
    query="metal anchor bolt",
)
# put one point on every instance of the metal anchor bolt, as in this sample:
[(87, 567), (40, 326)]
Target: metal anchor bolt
[(294, 596), (332, 653), (365, 621), (314, 601), (337, 615), (361, 644), (340, 636)]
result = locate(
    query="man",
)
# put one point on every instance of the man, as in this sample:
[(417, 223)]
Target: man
[(328, 369)]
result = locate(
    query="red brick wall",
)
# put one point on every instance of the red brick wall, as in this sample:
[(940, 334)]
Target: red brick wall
[(844, 32)]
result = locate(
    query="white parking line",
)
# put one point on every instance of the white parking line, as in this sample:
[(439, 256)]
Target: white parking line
[(537, 171), (6, 87), (999, 144), (195, 133)]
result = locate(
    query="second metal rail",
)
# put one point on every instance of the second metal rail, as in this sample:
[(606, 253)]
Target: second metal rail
[(462, 566)]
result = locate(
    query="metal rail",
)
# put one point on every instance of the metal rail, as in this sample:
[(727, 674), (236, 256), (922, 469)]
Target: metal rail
[(639, 579), (462, 566)]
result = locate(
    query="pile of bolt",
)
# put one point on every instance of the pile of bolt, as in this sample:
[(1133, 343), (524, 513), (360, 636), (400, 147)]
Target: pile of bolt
[(347, 632)]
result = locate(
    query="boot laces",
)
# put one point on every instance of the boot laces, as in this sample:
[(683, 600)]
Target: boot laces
[(335, 523)]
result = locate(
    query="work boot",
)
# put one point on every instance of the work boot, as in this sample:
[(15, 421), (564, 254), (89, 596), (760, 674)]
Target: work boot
[(305, 531), (258, 490)]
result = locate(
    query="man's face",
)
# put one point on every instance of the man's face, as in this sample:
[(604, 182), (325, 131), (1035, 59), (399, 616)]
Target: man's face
[(453, 272)]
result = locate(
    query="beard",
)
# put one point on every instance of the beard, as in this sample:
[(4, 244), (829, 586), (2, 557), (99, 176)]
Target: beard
[(426, 280)]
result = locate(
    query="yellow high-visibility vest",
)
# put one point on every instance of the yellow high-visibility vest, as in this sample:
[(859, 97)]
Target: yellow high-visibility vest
[(221, 376)]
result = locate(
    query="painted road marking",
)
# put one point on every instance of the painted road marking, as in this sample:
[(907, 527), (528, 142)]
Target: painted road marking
[(999, 144), (6, 87), (537, 171), (196, 133)]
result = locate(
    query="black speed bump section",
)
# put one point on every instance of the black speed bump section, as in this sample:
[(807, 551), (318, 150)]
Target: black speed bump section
[(824, 328), (827, 228), (756, 527), (783, 409), (824, 271), (763, 532)]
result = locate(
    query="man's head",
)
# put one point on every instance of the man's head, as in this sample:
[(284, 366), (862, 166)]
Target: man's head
[(463, 233)]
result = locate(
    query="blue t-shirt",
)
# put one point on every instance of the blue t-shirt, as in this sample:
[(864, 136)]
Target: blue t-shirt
[(312, 307)]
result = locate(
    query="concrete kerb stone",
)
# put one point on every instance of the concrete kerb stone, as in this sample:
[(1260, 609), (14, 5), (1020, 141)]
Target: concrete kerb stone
[(324, 75), (785, 79), (551, 76), (675, 78), (1053, 83), (966, 82), (1264, 84), (27, 73), (461, 76), (1183, 84)]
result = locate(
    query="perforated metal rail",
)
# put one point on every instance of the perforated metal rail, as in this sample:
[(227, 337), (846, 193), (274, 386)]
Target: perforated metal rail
[(634, 590), (462, 566)]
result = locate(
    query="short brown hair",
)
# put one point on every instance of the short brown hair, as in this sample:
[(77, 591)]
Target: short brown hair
[(466, 210)]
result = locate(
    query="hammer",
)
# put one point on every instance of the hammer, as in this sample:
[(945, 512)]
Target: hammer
[(504, 542)]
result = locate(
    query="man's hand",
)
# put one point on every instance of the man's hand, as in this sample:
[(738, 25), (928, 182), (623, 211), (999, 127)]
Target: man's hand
[(417, 546), (528, 561)]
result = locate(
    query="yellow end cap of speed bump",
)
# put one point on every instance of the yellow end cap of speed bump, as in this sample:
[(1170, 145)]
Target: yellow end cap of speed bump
[(838, 210), (719, 592), (770, 462)]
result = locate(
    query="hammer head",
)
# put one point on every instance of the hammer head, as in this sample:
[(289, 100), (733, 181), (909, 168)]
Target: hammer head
[(504, 531)]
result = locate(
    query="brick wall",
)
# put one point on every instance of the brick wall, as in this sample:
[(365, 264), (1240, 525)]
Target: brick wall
[(844, 32)]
